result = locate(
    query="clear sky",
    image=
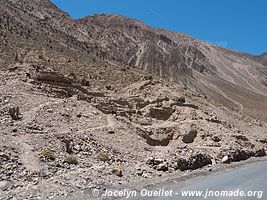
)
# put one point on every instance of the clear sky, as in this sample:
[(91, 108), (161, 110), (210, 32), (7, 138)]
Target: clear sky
[(235, 24)]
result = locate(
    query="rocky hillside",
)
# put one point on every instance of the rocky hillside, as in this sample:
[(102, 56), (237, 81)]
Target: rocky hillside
[(228, 77), (141, 46), (107, 100), (262, 59), (56, 131)]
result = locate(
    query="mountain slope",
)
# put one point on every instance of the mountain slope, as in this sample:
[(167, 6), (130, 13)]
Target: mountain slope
[(212, 70), (262, 58), (199, 66)]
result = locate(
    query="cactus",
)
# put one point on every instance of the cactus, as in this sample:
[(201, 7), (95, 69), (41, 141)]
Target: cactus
[(14, 113)]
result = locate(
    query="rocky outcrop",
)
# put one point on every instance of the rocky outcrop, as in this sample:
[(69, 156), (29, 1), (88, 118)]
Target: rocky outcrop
[(236, 155), (156, 136), (240, 154), (52, 77), (193, 162), (191, 135), (260, 153), (160, 113)]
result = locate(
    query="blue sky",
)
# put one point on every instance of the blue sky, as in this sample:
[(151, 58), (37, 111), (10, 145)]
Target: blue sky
[(235, 24)]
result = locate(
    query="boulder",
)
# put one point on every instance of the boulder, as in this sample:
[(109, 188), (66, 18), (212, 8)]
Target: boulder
[(4, 185), (264, 141), (191, 135), (44, 171), (260, 153), (195, 161), (225, 159), (159, 140), (157, 136), (117, 171), (237, 155)]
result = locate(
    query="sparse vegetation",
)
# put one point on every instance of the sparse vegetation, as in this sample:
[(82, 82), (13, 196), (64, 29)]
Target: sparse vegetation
[(71, 160), (103, 157), (48, 154), (14, 113), (68, 146)]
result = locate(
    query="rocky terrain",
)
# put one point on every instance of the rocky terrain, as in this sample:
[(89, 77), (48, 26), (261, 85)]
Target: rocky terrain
[(229, 77), (108, 100), (262, 58)]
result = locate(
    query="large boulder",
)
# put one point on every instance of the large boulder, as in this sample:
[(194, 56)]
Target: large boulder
[(191, 135), (159, 136)]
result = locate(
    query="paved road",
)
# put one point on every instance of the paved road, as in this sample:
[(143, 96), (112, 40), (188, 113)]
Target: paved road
[(251, 178)]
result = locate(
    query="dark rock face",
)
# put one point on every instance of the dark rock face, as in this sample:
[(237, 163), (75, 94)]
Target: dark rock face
[(157, 137), (189, 138), (193, 162), (260, 153), (160, 113), (236, 155), (191, 135), (163, 167), (159, 141)]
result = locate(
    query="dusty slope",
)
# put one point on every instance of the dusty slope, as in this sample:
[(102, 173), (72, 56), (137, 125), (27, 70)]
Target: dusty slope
[(91, 87), (139, 131)]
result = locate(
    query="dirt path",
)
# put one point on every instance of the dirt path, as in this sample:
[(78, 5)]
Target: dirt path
[(28, 156)]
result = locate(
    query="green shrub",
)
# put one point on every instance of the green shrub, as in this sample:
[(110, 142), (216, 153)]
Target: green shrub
[(48, 154), (103, 157)]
